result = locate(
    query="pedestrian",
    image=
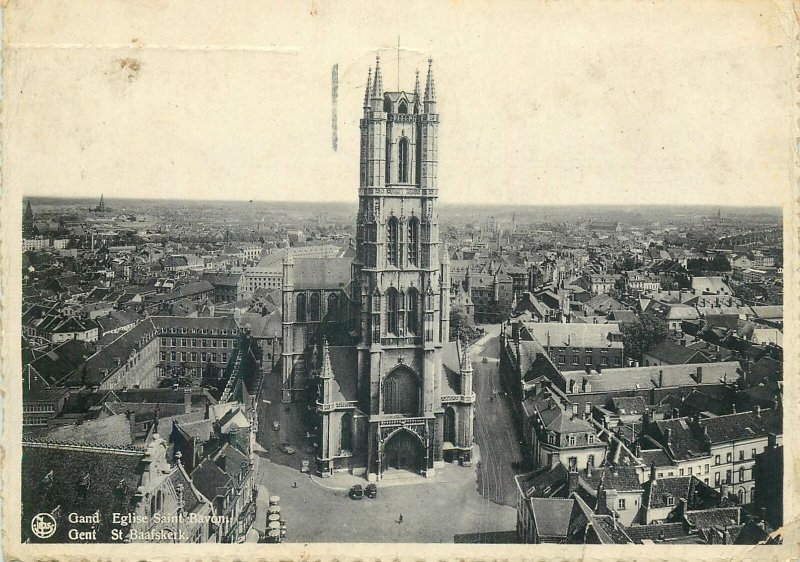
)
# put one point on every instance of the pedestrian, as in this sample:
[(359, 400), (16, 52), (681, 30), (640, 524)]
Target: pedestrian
[(400, 520), (294, 485)]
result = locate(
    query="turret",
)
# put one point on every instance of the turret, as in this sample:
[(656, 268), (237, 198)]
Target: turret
[(430, 90), (377, 86)]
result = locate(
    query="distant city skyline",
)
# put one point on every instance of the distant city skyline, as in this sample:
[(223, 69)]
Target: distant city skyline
[(569, 112)]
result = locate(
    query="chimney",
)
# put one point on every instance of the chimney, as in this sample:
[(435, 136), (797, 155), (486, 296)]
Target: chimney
[(220, 462), (572, 481), (668, 435), (682, 507), (187, 400), (660, 378), (757, 410), (635, 363), (699, 375), (653, 472), (208, 411), (683, 342), (637, 450)]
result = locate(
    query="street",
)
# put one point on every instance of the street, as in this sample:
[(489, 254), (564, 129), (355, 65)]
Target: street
[(478, 503)]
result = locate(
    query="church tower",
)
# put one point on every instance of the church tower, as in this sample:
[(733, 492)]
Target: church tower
[(398, 277)]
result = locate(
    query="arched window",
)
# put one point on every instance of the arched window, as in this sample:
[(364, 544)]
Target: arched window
[(388, 161), (413, 311), (741, 496), (372, 255), (392, 241), (403, 158), (403, 107), (301, 307), (333, 307), (449, 425), (346, 434), (153, 504), (413, 241), (376, 316), (313, 307), (392, 310), (400, 392)]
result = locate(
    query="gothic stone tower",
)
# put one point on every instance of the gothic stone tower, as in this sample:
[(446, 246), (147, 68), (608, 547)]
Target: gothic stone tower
[(398, 284)]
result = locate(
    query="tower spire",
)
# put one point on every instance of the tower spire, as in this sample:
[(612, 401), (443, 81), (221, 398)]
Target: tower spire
[(369, 87), (416, 87), (430, 87), (377, 87)]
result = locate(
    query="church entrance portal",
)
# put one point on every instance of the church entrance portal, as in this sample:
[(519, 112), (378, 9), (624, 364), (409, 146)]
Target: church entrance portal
[(403, 451)]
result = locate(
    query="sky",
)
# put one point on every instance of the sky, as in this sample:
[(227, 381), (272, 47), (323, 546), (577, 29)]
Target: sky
[(540, 102)]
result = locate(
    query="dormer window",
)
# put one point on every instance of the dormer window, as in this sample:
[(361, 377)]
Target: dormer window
[(670, 500)]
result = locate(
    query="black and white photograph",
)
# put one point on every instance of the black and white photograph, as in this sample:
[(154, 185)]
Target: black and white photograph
[(289, 280)]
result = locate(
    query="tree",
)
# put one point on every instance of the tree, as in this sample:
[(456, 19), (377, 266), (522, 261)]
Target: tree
[(461, 324), (649, 330)]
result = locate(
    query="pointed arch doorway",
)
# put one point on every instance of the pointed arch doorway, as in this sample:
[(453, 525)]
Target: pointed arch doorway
[(403, 452)]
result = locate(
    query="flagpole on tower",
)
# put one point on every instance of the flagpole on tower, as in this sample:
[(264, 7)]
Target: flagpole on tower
[(398, 63)]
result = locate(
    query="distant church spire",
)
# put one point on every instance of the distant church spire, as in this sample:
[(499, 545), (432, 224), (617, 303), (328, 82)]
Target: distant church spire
[(377, 87), (369, 86), (430, 87), (416, 87)]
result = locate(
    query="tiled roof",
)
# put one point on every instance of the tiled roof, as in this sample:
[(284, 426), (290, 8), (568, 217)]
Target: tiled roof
[(111, 430), (721, 516), (658, 491), (630, 378), (546, 482), (657, 533), (743, 425), (552, 516), (620, 478), (321, 273), (83, 481), (451, 365), (211, 480), (675, 354), (61, 360), (628, 405), (558, 334)]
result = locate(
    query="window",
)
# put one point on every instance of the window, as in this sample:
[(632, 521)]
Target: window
[(728, 477), (741, 474), (314, 307), (571, 440), (194, 342), (172, 356), (392, 310), (224, 343), (573, 464), (716, 478), (590, 461), (576, 359), (205, 342), (575, 409), (705, 469), (301, 307), (680, 472), (551, 438), (690, 471), (729, 457), (621, 504), (604, 361), (752, 453), (413, 242), (741, 455), (590, 439), (183, 356), (214, 357), (670, 500), (194, 357), (163, 355), (183, 342), (164, 342), (705, 481), (392, 231), (716, 459), (588, 360), (403, 148), (617, 361), (203, 356), (561, 359), (224, 357), (346, 437), (174, 342), (588, 408), (413, 311), (388, 173)]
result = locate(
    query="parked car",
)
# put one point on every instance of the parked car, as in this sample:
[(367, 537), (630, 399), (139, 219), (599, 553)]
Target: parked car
[(371, 491), (288, 449), (276, 425), (356, 492), (304, 466)]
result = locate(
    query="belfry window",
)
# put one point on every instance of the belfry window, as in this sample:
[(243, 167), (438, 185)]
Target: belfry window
[(403, 158), (413, 242), (301, 308), (413, 311), (402, 108), (388, 161), (392, 241), (392, 310)]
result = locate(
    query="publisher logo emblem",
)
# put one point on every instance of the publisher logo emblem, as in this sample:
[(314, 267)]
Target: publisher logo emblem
[(43, 525)]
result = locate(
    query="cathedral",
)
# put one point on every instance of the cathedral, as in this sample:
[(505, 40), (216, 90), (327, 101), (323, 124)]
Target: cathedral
[(370, 344)]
